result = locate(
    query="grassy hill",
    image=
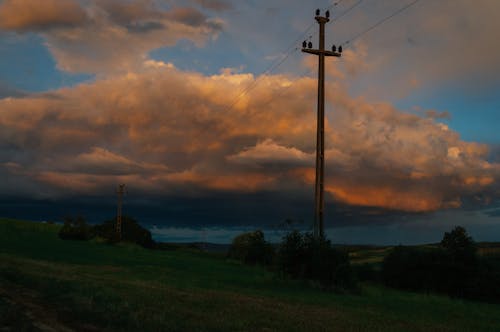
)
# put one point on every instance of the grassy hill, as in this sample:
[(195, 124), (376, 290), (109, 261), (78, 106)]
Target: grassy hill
[(47, 284)]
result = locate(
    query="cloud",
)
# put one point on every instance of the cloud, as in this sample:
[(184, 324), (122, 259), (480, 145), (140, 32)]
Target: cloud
[(217, 5), (165, 131), (6, 90), (35, 15), (107, 36), (268, 154), (420, 49)]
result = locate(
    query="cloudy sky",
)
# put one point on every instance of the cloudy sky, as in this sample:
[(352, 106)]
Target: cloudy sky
[(205, 109)]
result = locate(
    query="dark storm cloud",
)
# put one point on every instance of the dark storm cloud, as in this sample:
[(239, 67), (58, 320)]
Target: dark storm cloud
[(169, 132)]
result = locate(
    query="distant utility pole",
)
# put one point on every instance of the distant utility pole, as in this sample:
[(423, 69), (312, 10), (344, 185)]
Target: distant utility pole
[(320, 131), (120, 192)]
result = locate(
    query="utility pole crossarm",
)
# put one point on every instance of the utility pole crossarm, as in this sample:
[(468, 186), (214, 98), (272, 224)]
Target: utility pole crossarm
[(319, 52)]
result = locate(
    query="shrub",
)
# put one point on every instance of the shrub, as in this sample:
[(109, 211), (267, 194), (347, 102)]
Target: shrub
[(291, 255), (131, 232), (416, 268), (451, 268), (306, 257), (76, 229), (366, 272), (252, 248)]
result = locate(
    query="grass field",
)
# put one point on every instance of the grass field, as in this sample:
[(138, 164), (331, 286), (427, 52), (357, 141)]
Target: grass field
[(47, 284)]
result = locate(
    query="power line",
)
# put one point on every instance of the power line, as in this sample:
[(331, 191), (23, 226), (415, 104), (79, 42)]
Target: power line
[(292, 49), (333, 5), (341, 15), (382, 21), (347, 11), (290, 84), (252, 85), (288, 52)]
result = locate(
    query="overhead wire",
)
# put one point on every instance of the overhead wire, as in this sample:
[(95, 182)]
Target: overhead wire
[(347, 11), (385, 19), (252, 85), (288, 52), (336, 3), (284, 89), (382, 21)]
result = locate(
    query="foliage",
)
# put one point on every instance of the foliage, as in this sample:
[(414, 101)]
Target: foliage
[(306, 257), (366, 272), (131, 232), (416, 269), (460, 246), (453, 268), (106, 288), (76, 229), (252, 248)]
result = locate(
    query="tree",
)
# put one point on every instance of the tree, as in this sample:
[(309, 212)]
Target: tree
[(131, 232), (463, 265), (252, 248), (460, 246), (307, 257), (451, 268), (76, 229), (291, 254)]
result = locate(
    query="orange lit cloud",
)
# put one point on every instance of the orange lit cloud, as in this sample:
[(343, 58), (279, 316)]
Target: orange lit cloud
[(24, 15), (107, 36), (167, 131)]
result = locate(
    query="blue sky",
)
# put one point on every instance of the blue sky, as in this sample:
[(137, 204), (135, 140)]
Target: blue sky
[(149, 92)]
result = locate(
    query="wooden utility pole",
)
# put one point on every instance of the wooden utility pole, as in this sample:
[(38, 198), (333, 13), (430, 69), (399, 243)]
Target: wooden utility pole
[(120, 192), (320, 130)]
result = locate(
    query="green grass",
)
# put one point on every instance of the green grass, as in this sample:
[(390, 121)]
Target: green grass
[(97, 287)]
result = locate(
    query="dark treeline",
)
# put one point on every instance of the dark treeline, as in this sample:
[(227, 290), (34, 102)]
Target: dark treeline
[(298, 256), (78, 229), (453, 267)]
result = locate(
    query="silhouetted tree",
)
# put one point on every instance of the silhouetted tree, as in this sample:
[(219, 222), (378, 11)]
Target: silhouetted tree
[(76, 229), (307, 257), (462, 266), (252, 248), (131, 232), (452, 268), (460, 246)]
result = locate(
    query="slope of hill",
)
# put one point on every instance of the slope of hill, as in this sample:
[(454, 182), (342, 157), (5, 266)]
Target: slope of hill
[(47, 284)]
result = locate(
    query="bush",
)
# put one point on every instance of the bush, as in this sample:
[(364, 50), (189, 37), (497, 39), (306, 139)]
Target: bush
[(131, 232), (306, 257), (452, 268), (252, 248), (367, 272), (76, 229), (416, 269)]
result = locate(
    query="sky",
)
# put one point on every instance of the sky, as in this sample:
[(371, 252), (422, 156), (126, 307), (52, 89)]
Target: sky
[(206, 110)]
